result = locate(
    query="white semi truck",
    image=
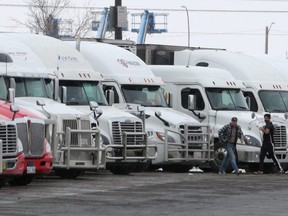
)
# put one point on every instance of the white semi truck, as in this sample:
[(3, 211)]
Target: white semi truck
[(181, 140), (73, 135), (122, 133), (264, 88), (214, 96)]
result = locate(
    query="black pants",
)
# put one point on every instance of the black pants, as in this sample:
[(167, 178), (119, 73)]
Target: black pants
[(268, 148)]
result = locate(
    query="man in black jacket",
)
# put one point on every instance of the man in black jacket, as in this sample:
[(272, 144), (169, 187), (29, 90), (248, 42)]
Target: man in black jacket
[(267, 147)]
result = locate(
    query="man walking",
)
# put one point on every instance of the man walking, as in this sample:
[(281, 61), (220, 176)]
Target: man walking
[(229, 135), (268, 145)]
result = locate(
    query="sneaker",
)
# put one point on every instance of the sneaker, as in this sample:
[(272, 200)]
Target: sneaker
[(238, 172), (281, 171), (221, 173), (258, 172)]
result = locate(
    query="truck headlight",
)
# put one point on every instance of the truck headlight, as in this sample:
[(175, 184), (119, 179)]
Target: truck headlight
[(252, 141), (161, 136), (48, 148)]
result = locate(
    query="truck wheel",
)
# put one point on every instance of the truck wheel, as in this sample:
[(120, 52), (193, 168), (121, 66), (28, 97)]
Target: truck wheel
[(142, 167), (219, 154), (68, 173), (2, 182), (177, 168), (122, 169), (21, 181)]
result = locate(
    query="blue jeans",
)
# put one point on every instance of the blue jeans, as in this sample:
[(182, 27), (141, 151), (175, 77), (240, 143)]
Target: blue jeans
[(229, 156)]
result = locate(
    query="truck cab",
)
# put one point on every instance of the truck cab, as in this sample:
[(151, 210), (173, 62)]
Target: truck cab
[(181, 140), (214, 96), (29, 132)]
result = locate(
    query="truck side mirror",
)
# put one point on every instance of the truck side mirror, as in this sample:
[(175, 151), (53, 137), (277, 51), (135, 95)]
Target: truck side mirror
[(14, 108), (191, 102), (110, 96), (64, 94), (248, 101), (169, 100), (12, 83), (56, 89), (93, 105), (11, 95)]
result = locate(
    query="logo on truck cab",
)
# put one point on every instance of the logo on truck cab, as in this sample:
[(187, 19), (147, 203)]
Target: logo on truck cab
[(67, 58), (127, 63)]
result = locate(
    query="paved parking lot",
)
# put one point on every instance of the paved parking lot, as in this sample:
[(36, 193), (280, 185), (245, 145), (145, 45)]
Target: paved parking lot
[(149, 193)]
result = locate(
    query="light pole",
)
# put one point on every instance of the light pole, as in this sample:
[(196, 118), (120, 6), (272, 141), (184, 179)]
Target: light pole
[(187, 24), (267, 30)]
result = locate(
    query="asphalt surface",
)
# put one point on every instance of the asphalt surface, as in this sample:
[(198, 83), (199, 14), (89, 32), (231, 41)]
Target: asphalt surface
[(149, 193)]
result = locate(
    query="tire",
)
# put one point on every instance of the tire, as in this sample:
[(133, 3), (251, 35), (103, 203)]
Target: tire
[(122, 169), (219, 154), (2, 182), (177, 168), (142, 167), (21, 181), (68, 173)]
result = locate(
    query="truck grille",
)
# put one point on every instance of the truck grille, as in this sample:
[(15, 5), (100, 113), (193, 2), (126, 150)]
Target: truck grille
[(80, 125), (8, 135), (195, 138), (119, 127), (280, 137), (35, 146)]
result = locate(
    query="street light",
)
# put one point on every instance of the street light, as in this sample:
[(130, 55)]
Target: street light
[(187, 24), (267, 30)]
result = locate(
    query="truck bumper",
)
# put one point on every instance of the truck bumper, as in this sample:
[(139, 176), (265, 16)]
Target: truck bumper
[(38, 166), (14, 166)]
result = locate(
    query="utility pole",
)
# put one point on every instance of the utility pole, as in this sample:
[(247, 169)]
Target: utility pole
[(118, 30)]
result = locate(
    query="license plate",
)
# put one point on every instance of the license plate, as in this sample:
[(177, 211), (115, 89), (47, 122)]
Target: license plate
[(31, 169)]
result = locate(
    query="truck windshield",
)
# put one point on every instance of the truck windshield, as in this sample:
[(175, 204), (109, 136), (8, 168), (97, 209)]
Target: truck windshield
[(148, 96), (226, 99), (33, 87), (3, 89), (81, 93), (274, 101)]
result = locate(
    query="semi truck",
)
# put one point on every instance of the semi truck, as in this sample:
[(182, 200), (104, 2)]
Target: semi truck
[(74, 138), (264, 88), (122, 133), (26, 130), (181, 140)]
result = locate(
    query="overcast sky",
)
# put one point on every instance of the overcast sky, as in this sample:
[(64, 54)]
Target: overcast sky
[(237, 25)]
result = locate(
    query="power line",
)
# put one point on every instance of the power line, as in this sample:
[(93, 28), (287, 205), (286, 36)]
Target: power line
[(165, 10)]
